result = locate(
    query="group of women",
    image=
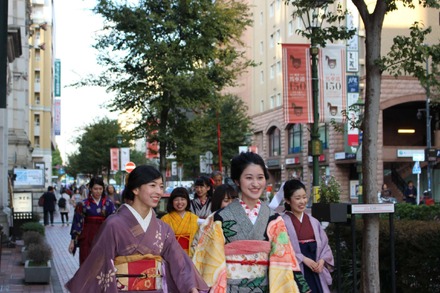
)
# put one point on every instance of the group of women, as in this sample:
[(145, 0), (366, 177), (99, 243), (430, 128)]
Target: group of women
[(220, 241)]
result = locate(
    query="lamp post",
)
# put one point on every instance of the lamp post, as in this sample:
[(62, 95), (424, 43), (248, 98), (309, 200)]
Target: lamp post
[(119, 136), (312, 19)]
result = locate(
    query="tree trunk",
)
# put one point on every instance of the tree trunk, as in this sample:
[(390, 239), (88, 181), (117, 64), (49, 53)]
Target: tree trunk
[(370, 280)]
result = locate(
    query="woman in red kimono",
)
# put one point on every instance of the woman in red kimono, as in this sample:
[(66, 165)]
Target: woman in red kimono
[(135, 251), (88, 217)]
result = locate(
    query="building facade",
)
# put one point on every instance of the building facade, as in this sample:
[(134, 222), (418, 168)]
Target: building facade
[(285, 146)]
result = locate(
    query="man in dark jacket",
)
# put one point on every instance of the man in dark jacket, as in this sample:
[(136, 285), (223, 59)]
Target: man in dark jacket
[(410, 193), (49, 205)]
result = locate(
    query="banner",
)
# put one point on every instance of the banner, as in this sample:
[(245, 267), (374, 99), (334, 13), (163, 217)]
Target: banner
[(332, 83), (57, 117), (57, 78), (114, 159), (125, 157), (352, 133), (297, 87)]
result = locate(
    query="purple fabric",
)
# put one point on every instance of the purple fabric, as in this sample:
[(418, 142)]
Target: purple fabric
[(323, 250), (122, 235)]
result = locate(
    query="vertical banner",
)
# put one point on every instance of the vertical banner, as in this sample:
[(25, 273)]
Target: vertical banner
[(352, 133), (297, 88), (125, 157), (114, 159), (332, 93), (57, 78), (57, 117)]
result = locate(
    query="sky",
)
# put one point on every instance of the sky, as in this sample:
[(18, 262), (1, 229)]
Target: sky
[(75, 30)]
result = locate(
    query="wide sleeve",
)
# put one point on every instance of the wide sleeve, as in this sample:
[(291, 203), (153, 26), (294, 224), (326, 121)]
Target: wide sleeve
[(293, 238), (97, 273), (181, 273), (324, 250), (78, 221)]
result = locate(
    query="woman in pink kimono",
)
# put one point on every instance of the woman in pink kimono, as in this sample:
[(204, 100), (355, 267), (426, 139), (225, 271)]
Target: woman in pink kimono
[(135, 251), (308, 238)]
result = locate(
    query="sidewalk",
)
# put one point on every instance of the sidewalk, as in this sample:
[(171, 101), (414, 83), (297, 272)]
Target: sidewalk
[(64, 265)]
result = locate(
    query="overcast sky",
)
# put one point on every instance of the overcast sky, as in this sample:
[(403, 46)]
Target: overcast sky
[(75, 28)]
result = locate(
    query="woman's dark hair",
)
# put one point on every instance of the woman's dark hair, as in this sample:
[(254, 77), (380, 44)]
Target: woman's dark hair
[(141, 175), (202, 181), (108, 186), (96, 181), (178, 192), (220, 193), (290, 186), (242, 161)]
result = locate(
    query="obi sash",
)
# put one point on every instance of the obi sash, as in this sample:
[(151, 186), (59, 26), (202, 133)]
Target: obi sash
[(247, 259), (138, 272)]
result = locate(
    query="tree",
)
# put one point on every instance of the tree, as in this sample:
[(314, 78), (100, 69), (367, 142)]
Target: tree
[(165, 58), (57, 161), (230, 115), (373, 18), (93, 156)]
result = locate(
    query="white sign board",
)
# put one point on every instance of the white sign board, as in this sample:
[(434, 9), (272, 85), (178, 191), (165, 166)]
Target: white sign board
[(416, 169), (26, 178), (374, 208)]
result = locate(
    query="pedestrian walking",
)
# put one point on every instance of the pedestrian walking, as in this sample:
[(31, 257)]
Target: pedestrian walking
[(49, 205), (134, 250), (64, 206)]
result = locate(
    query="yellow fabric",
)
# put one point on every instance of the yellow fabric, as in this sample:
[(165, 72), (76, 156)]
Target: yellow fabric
[(209, 258), (183, 227), (135, 257)]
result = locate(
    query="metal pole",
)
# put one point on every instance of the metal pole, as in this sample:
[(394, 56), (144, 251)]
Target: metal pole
[(353, 251), (393, 262), (315, 142), (3, 52), (428, 129)]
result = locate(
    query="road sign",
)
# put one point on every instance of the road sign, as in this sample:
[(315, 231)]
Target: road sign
[(130, 167), (416, 169)]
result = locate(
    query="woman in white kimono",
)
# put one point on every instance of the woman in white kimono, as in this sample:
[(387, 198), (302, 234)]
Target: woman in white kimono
[(136, 252)]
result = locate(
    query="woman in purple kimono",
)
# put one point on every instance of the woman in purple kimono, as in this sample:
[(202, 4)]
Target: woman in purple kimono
[(89, 216), (308, 238), (135, 251)]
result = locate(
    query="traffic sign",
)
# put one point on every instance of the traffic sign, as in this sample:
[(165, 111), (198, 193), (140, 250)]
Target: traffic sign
[(130, 167), (416, 169)]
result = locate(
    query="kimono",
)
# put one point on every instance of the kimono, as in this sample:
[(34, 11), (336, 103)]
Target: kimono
[(185, 228), (234, 255), (121, 236), (323, 250), (87, 220), (202, 211)]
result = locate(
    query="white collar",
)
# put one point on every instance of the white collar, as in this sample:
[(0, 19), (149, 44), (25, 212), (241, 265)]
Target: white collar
[(144, 222)]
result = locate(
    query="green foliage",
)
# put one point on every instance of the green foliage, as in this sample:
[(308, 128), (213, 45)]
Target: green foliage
[(32, 237), (416, 255), (417, 212), (408, 56), (335, 28), (329, 190), (39, 253), (93, 156), (166, 60), (33, 226), (57, 161)]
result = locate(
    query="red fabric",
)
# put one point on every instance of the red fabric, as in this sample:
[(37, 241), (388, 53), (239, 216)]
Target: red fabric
[(303, 230), (91, 228), (136, 282)]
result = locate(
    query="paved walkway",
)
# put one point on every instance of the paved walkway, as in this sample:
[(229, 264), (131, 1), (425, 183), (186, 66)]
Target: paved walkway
[(64, 265)]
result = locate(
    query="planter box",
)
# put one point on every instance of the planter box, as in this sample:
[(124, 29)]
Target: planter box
[(330, 212), (37, 274)]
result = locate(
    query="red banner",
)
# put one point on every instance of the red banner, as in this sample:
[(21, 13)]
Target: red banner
[(298, 102), (114, 159), (332, 83)]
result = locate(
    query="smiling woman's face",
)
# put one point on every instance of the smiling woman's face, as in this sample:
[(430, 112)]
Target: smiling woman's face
[(149, 194)]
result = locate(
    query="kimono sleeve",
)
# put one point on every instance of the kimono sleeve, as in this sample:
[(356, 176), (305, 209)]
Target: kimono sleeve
[(181, 273), (97, 273)]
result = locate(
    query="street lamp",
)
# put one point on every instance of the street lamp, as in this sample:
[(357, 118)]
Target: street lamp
[(312, 17), (119, 137)]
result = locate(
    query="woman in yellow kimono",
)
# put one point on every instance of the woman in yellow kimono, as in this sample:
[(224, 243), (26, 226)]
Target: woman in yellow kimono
[(181, 219)]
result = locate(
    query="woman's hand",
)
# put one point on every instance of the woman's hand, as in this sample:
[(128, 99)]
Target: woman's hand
[(310, 263), (320, 266), (194, 290), (71, 246)]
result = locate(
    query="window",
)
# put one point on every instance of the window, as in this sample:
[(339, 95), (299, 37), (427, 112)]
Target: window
[(262, 106), (37, 55), (37, 98), (274, 142), (271, 10), (271, 41), (261, 47), (323, 135), (278, 36), (290, 28), (299, 23), (261, 18), (37, 141), (37, 76), (272, 71), (279, 69), (262, 76), (37, 119), (272, 102), (278, 101), (294, 138)]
